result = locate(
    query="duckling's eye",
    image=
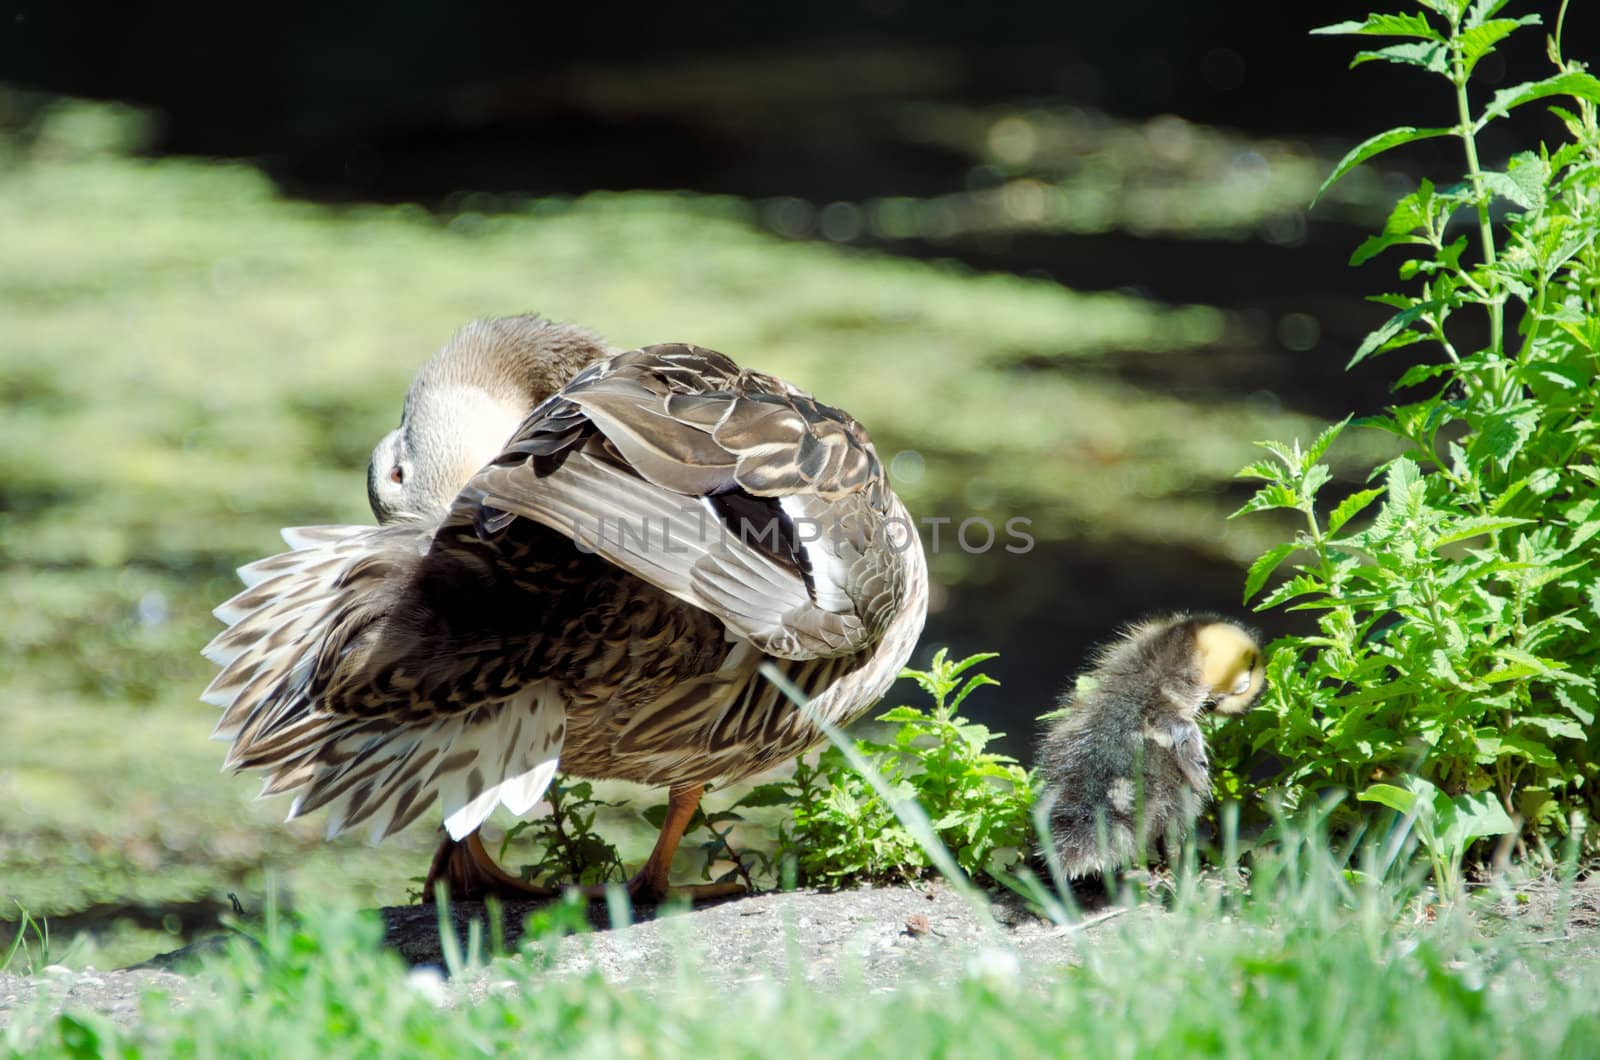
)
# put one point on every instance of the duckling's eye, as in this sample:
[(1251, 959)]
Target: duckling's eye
[(1241, 686), (397, 475)]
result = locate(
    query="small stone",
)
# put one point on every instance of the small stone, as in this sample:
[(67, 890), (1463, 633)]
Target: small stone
[(430, 984), (1000, 969)]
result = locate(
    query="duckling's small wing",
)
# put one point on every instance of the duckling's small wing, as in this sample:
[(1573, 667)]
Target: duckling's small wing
[(1189, 751)]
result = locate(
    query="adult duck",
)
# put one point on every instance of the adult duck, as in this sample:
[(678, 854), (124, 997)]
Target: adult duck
[(584, 557)]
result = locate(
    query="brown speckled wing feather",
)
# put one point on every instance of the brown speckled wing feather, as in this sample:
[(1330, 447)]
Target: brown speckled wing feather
[(727, 488)]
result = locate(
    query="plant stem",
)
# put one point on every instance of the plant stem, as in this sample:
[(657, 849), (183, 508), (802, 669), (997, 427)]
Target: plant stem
[(1469, 140), (1321, 546)]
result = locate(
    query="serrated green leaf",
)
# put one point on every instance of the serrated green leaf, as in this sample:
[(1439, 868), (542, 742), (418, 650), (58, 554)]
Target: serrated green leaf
[(1513, 671), (1374, 146), (1473, 526), (1397, 799), (1421, 373), (1288, 452), (774, 794), (1580, 703), (1316, 476), (1429, 55), (1261, 469), (973, 683), (1523, 184), (1382, 25), (1551, 725), (1319, 448), (1402, 476), (1440, 666), (1560, 376), (959, 668), (1392, 328), (1263, 567), (1504, 433), (1299, 585), (1351, 505), (1572, 83), (1483, 10), (1274, 495), (1450, 9), (1479, 40), (1535, 751), (1372, 246), (1412, 212), (1450, 254)]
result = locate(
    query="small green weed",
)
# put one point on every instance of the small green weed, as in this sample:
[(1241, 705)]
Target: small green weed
[(570, 851), (1444, 826), (747, 863), (978, 801), (1456, 627)]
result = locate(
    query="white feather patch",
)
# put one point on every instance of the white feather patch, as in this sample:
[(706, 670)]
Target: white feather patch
[(501, 754), (829, 571)]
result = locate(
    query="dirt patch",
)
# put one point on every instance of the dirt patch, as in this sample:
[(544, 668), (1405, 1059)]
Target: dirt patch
[(116, 994), (879, 937)]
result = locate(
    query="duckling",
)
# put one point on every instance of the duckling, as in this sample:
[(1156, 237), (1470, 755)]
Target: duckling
[(584, 558), (1127, 761)]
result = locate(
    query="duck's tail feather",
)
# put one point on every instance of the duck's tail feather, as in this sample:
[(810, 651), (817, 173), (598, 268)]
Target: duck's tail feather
[(314, 613)]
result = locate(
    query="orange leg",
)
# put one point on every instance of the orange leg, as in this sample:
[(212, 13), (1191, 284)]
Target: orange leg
[(470, 874), (650, 883)]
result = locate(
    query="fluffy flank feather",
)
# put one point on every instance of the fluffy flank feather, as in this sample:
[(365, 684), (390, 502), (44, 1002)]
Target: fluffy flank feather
[(310, 609), (385, 775), (276, 626)]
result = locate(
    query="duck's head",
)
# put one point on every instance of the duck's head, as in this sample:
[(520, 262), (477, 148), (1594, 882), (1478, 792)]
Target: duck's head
[(465, 403)]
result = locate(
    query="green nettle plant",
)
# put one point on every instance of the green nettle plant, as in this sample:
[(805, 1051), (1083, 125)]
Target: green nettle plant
[(843, 830), (1456, 599), (978, 801), (570, 851)]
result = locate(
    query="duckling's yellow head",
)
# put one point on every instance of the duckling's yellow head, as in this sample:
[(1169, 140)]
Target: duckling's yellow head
[(1232, 668)]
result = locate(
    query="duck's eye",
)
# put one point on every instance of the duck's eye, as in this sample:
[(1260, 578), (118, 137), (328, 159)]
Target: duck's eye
[(397, 475)]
